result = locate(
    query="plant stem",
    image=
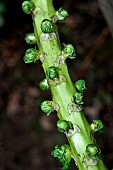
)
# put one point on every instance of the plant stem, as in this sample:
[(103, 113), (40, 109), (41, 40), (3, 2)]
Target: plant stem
[(62, 92)]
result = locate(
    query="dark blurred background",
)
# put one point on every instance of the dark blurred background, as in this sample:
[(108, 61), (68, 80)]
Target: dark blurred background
[(27, 136)]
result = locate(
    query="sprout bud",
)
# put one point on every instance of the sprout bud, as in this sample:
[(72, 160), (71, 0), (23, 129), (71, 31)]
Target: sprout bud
[(46, 26), (69, 51), (62, 14), (63, 154), (64, 125), (51, 72), (47, 107), (30, 38), (31, 55), (93, 150), (78, 97), (97, 125), (80, 85), (28, 7), (44, 85)]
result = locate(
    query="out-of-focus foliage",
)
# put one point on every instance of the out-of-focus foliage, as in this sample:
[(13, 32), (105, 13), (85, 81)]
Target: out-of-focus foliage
[(3, 8)]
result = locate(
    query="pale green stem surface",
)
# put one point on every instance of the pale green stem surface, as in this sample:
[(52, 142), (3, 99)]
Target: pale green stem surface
[(62, 93)]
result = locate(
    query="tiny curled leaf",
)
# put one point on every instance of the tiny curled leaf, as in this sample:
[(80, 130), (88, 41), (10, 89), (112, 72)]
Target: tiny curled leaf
[(30, 38), (93, 150), (46, 26), (44, 85), (97, 126), (47, 107), (80, 85), (28, 6), (64, 125), (31, 55), (62, 14), (69, 51)]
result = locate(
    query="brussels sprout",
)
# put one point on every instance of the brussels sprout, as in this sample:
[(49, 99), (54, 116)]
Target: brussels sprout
[(97, 125), (62, 14), (44, 85), (69, 51), (52, 72), (80, 85), (47, 107), (78, 97), (46, 26), (28, 7), (64, 125), (92, 150), (31, 55), (30, 38)]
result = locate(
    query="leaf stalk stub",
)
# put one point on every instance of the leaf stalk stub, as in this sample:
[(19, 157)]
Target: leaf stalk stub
[(48, 37), (73, 108), (71, 132), (60, 60), (37, 11)]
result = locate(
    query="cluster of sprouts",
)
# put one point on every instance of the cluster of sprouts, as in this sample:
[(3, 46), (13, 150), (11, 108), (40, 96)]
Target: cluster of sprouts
[(54, 77)]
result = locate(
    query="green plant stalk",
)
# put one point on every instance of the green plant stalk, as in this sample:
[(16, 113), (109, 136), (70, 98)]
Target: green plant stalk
[(62, 93)]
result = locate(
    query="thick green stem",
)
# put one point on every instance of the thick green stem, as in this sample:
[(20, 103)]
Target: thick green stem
[(62, 91)]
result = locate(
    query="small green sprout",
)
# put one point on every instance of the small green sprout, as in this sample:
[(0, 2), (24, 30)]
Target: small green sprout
[(80, 85), (47, 107), (52, 72), (69, 51), (63, 154), (31, 55), (78, 97), (28, 7), (30, 38), (46, 26), (64, 125), (97, 126), (44, 85), (93, 150), (62, 14)]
